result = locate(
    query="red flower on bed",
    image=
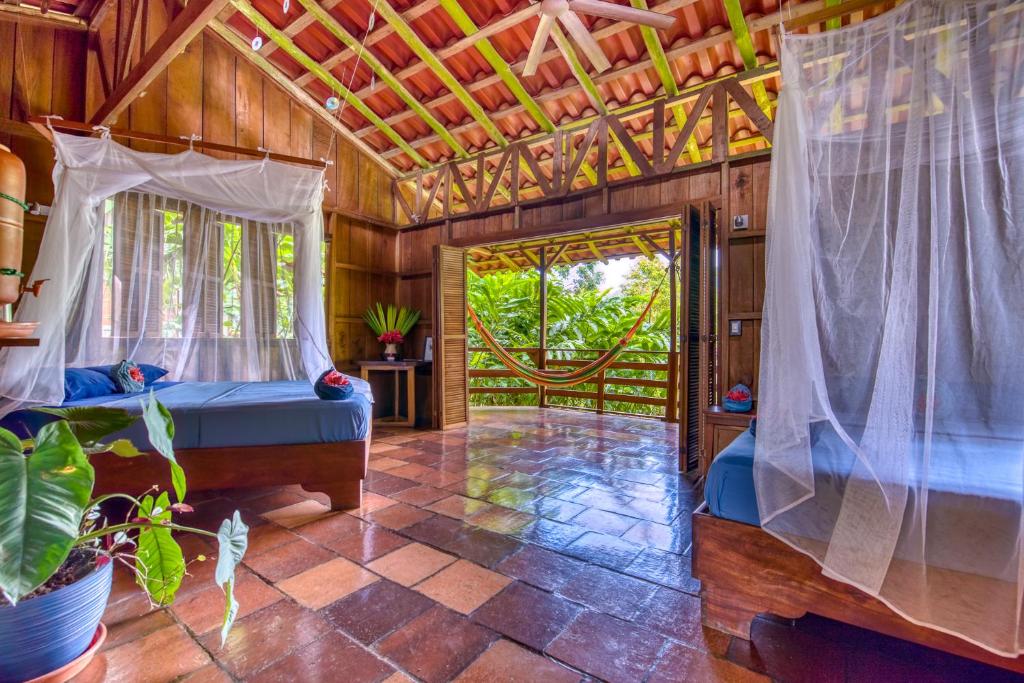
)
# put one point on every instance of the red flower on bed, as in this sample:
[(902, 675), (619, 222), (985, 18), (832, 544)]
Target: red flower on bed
[(335, 379), (392, 337), (136, 374), (738, 395)]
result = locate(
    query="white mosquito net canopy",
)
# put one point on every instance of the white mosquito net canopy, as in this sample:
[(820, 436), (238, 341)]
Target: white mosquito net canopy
[(209, 268), (890, 440)]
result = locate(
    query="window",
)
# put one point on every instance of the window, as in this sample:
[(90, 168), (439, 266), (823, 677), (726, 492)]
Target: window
[(173, 251), (284, 294), (231, 279), (109, 284)]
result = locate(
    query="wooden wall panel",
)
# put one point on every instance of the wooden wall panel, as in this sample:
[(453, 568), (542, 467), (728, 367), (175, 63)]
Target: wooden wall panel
[(744, 271), (42, 71)]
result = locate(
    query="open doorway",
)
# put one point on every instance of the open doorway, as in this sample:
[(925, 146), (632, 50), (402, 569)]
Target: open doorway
[(559, 302)]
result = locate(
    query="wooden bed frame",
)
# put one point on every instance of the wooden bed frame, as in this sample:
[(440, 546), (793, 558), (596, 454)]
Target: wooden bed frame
[(745, 571), (337, 469)]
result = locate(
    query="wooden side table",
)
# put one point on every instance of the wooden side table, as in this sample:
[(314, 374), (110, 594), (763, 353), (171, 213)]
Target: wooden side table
[(397, 367), (720, 429)]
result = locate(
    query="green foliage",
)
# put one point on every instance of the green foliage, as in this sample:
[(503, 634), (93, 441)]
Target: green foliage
[(47, 508), (583, 321), (42, 498), (393, 318)]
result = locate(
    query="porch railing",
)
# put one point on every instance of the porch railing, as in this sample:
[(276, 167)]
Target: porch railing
[(636, 385)]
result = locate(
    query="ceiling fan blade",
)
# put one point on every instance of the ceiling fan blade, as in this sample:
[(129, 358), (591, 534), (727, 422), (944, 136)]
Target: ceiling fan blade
[(540, 40), (609, 10), (574, 25)]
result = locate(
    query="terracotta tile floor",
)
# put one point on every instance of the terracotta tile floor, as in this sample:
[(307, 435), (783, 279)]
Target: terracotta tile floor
[(532, 546)]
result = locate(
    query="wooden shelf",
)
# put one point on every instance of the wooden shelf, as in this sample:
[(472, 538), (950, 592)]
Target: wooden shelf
[(20, 341)]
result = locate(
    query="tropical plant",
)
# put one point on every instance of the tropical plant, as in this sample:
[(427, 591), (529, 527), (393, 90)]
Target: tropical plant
[(52, 528), (584, 318), (393, 319)]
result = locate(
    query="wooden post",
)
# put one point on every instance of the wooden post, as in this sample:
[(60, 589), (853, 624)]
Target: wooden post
[(600, 392), (672, 397), (542, 339)]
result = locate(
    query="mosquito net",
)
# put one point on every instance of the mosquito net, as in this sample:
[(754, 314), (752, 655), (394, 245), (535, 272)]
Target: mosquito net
[(890, 441), (209, 268)]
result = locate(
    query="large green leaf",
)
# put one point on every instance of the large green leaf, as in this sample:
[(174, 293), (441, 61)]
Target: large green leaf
[(160, 426), (233, 539), (159, 563), (91, 423), (42, 500)]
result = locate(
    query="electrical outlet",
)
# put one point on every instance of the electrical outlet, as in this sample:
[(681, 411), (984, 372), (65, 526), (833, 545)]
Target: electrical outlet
[(741, 222), (735, 328)]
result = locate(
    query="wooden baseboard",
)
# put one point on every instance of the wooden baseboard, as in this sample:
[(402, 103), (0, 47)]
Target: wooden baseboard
[(745, 571)]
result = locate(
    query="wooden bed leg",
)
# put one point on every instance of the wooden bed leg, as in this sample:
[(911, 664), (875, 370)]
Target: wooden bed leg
[(724, 615), (344, 495)]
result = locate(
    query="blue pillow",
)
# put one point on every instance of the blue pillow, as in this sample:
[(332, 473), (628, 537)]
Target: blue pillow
[(333, 392), (151, 373), (82, 383)]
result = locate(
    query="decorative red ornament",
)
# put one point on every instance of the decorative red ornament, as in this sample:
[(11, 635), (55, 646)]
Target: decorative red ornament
[(335, 379), (136, 374), (737, 395), (392, 337)]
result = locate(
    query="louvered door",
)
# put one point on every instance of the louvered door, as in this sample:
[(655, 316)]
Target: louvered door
[(451, 383)]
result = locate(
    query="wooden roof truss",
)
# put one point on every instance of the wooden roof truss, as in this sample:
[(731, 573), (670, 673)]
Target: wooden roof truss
[(625, 242)]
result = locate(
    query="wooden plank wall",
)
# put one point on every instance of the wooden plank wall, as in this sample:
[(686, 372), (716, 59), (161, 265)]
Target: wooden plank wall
[(743, 189), (212, 91), (42, 71), (743, 272)]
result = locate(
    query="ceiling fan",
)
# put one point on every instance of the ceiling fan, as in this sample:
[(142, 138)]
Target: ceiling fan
[(565, 12)]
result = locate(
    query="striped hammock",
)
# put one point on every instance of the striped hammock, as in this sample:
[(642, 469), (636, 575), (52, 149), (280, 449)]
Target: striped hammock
[(554, 378)]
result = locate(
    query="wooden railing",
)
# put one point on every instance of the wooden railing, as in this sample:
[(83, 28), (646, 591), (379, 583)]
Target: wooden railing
[(598, 394)]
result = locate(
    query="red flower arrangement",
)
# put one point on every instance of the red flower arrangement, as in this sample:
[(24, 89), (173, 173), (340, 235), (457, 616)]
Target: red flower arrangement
[(738, 395), (136, 374), (392, 337), (335, 379)]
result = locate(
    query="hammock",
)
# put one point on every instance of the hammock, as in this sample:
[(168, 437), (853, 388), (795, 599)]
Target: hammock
[(555, 378)]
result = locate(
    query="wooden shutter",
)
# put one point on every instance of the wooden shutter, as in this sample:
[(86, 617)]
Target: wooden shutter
[(451, 384)]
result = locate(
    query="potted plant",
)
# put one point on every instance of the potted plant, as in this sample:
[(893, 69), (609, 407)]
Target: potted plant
[(58, 546), (391, 326)]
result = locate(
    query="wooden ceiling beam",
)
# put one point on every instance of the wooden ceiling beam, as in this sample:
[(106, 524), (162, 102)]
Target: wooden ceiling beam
[(741, 34), (295, 52), (668, 80), (421, 50), (180, 32), (383, 31), (242, 46), (31, 15), (367, 57)]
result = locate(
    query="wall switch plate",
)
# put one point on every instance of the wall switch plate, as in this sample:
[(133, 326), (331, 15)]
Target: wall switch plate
[(741, 222), (735, 328)]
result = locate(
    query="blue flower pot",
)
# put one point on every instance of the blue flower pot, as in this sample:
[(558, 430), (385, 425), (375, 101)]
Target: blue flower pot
[(45, 633)]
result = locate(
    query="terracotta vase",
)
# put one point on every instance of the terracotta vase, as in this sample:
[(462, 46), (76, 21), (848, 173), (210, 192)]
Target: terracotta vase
[(12, 216)]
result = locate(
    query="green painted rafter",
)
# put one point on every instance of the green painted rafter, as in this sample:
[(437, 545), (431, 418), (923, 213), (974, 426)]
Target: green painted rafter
[(421, 50), (668, 79), (504, 71), (741, 34), (294, 51), (338, 31), (590, 88)]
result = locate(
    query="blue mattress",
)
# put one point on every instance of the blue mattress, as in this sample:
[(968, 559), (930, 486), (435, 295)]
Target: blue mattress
[(954, 480), (225, 414), (729, 485)]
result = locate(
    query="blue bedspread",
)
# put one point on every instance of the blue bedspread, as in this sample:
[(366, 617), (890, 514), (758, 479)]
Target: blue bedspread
[(729, 485), (955, 475), (225, 414)]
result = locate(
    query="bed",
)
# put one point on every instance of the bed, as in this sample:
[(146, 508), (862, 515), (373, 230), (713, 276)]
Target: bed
[(745, 571), (242, 434)]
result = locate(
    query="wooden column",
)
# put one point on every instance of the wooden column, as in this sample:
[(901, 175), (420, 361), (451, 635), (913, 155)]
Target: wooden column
[(542, 338), (671, 412)]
